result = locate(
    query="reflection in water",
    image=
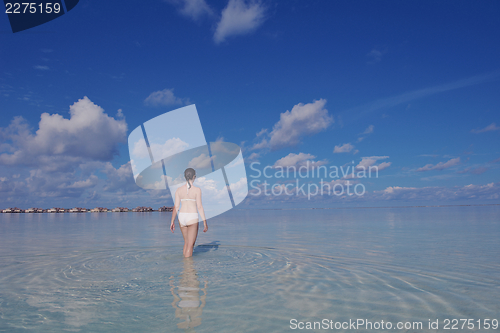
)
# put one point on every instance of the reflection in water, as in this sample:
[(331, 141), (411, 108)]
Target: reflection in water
[(188, 303)]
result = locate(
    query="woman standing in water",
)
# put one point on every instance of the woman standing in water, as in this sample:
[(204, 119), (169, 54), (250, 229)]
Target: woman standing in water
[(190, 198)]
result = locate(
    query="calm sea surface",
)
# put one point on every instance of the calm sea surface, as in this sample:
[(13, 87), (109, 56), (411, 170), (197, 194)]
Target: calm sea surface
[(253, 271)]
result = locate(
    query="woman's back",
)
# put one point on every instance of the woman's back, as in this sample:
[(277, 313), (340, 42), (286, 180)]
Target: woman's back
[(188, 198)]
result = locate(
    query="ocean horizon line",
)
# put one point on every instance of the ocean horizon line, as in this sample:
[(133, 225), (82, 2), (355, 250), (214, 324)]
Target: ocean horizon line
[(368, 207), (141, 209)]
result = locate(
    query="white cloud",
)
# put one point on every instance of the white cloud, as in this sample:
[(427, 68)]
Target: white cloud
[(383, 165), (297, 160), (259, 145), (440, 165), (345, 148), (206, 184), (239, 18), (262, 132), (213, 192), (491, 127), (302, 120), (417, 94), (252, 157), (80, 184), (375, 55), (60, 159), (367, 162), (475, 171), (139, 149), (158, 185), (369, 130), (168, 148), (488, 191), (200, 162), (164, 97), (434, 195), (194, 9), (89, 134), (239, 190), (119, 180), (42, 68), (44, 184), (79, 187)]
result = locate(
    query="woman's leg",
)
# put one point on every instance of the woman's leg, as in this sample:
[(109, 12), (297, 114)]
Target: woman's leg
[(191, 233), (184, 231)]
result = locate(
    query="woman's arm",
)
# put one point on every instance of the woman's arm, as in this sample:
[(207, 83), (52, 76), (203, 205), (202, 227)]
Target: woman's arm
[(201, 211), (174, 212)]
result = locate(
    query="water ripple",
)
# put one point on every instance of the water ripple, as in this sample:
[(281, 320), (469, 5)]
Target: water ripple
[(245, 287)]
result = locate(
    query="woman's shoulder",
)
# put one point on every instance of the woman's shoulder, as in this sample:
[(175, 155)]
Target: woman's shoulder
[(179, 190)]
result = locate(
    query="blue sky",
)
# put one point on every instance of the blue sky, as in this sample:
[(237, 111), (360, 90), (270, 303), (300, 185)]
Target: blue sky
[(411, 87)]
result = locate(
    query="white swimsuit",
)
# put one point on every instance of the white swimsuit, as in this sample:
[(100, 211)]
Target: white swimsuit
[(186, 219)]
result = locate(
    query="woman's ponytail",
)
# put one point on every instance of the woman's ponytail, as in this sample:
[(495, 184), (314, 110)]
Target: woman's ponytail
[(189, 174)]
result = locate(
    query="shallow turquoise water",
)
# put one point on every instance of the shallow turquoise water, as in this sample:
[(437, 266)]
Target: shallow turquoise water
[(253, 271)]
